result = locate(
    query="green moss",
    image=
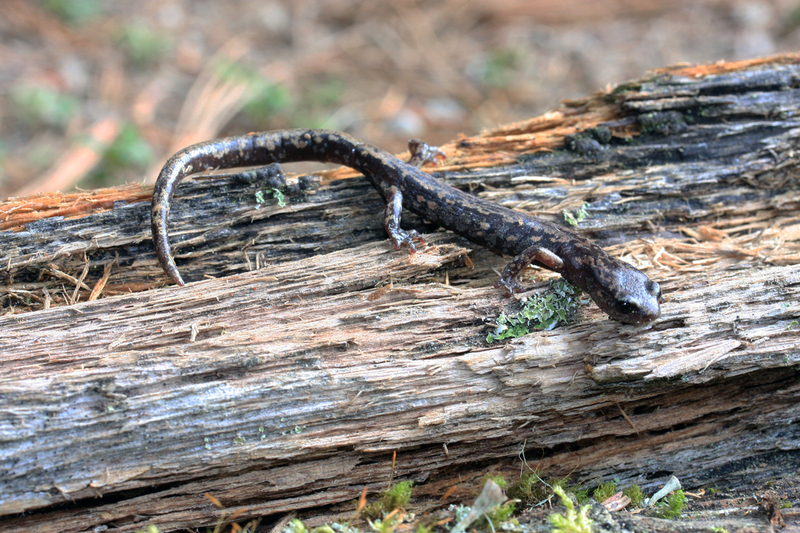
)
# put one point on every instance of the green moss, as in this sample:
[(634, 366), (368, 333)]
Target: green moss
[(672, 506), (499, 67), (265, 99), (662, 122), (295, 526), (396, 497), (129, 151), (42, 104), (143, 45), (261, 196), (581, 495), (539, 311), (327, 92), (387, 525), (421, 528), (626, 87), (605, 491), (498, 515), (634, 492), (579, 216), (497, 478), (74, 12), (149, 529), (530, 489), (713, 491), (573, 521)]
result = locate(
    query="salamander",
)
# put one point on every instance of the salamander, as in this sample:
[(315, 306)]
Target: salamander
[(622, 291)]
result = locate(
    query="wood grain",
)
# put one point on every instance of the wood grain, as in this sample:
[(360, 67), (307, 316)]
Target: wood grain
[(313, 350)]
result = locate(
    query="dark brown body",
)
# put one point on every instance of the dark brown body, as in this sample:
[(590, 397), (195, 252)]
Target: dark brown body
[(621, 290)]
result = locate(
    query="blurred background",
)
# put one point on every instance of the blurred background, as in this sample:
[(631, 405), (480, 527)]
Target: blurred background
[(96, 93)]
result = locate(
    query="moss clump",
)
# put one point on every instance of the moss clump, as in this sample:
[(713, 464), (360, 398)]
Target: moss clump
[(672, 506), (581, 495), (497, 478), (295, 526), (530, 489), (634, 492), (396, 497), (604, 491), (149, 529), (500, 514), (423, 529), (573, 521)]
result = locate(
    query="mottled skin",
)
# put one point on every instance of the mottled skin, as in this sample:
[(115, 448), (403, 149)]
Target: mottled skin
[(619, 289)]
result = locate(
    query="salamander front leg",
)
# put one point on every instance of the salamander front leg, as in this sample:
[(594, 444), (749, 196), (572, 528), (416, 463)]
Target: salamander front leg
[(422, 153), (391, 221), (509, 279)]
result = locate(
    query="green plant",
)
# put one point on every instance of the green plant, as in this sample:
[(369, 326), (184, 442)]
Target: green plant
[(295, 526), (423, 529), (498, 515), (142, 45), (264, 98), (581, 495), (40, 104), (573, 521), (261, 196), (74, 11), (672, 506), (539, 311), (396, 497), (326, 93), (152, 528), (579, 216), (387, 525), (128, 151), (498, 68), (529, 489), (635, 493), (605, 491), (497, 478)]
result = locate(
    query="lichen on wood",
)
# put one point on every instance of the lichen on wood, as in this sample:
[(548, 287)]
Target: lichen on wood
[(308, 349)]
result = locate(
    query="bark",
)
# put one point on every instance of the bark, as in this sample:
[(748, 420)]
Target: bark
[(308, 350)]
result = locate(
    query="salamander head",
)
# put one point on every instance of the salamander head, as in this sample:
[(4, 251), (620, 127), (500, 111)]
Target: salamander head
[(624, 292)]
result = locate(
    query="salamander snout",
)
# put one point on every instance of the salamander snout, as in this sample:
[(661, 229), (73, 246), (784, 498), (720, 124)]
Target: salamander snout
[(630, 296)]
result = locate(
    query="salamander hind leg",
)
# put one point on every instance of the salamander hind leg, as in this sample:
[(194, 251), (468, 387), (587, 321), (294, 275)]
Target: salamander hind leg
[(391, 221), (509, 280)]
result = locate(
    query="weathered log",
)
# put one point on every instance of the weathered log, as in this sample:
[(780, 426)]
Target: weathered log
[(317, 350)]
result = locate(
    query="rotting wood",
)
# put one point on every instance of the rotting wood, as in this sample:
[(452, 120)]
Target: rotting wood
[(288, 387)]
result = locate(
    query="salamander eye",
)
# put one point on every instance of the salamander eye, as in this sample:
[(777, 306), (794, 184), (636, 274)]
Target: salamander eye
[(625, 307), (653, 289)]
